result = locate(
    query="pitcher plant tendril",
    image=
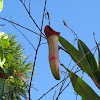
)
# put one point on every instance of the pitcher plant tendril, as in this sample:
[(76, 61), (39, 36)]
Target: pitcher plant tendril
[(52, 39)]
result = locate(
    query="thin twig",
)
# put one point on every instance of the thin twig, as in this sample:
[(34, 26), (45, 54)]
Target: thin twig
[(25, 37), (36, 52), (52, 88), (24, 2), (62, 91), (65, 87), (31, 17), (54, 95), (95, 41), (55, 86), (70, 29), (29, 5), (21, 26)]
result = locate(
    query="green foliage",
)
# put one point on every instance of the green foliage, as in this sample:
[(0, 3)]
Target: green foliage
[(76, 56), (14, 69), (1, 5), (81, 88), (86, 61), (91, 60)]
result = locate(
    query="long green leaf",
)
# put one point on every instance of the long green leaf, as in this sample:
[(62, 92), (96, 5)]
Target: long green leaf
[(89, 57), (91, 60), (97, 74), (81, 87), (76, 56)]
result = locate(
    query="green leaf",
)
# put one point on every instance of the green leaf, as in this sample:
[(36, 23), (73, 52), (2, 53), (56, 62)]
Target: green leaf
[(2, 58), (89, 57), (1, 5), (81, 87), (91, 60), (97, 73), (1, 83), (76, 56), (4, 43), (1, 54), (1, 86), (15, 66), (10, 57), (1, 91), (6, 88)]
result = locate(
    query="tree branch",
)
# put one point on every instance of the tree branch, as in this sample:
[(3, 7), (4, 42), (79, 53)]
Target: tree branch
[(21, 26), (25, 38), (37, 51), (31, 16)]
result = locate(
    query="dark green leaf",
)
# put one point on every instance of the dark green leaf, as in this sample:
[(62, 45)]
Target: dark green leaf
[(81, 87), (76, 56), (6, 88), (1, 54), (97, 73), (89, 57), (1, 83), (1, 86), (91, 60)]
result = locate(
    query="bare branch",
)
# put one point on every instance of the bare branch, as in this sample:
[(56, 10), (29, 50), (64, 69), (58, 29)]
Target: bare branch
[(62, 91), (25, 38), (56, 85), (24, 2), (29, 5), (70, 29), (52, 88), (37, 51), (95, 41), (31, 17), (54, 95), (20, 26)]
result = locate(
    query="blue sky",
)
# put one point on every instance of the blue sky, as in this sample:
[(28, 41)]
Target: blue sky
[(82, 16)]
